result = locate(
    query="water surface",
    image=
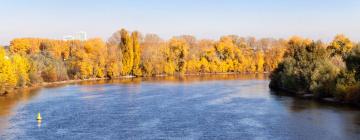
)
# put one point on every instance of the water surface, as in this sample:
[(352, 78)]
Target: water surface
[(192, 107)]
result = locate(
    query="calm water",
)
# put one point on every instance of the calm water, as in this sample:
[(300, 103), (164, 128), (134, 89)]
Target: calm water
[(211, 107)]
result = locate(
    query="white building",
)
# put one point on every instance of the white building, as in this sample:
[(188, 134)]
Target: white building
[(82, 36), (68, 37)]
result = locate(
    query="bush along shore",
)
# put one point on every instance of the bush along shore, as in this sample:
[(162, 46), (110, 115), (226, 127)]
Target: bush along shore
[(327, 72)]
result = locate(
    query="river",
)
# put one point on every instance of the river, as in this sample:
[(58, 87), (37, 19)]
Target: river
[(191, 107)]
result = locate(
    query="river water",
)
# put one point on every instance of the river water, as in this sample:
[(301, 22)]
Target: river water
[(191, 107)]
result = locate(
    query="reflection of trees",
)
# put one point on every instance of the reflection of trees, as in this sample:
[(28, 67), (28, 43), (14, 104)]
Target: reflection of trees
[(9, 101), (295, 104), (298, 104), (357, 120), (113, 81), (206, 77), (178, 79)]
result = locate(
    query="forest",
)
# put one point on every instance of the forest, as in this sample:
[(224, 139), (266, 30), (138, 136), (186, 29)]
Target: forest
[(31, 61), (297, 65), (321, 70)]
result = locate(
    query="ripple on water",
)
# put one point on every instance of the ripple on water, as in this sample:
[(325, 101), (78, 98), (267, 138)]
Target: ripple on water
[(227, 109)]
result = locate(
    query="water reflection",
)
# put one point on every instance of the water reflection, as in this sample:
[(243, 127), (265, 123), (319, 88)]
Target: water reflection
[(10, 101), (339, 119), (298, 104), (39, 123), (177, 79)]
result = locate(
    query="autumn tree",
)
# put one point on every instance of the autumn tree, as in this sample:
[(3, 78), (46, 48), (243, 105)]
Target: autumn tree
[(340, 45), (45, 68), (22, 68), (24, 46), (137, 54), (8, 78), (127, 49), (113, 63), (259, 61), (178, 51), (153, 55), (96, 52)]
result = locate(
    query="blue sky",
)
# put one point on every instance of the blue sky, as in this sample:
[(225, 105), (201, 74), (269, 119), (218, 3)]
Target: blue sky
[(316, 19)]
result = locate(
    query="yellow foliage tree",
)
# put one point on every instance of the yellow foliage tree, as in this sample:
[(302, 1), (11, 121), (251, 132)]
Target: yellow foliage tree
[(8, 78), (225, 48), (273, 56), (193, 66), (22, 68), (260, 61), (94, 49), (204, 65), (137, 54), (127, 50), (178, 54), (113, 70), (340, 45), (86, 69)]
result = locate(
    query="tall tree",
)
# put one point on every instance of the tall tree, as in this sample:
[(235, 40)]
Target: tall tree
[(137, 53), (127, 49), (260, 61)]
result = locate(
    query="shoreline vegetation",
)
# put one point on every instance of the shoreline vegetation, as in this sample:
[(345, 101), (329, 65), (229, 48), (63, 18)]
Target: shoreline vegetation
[(31, 61), (312, 69), (325, 72)]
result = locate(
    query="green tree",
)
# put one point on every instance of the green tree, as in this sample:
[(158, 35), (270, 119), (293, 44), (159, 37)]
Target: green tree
[(307, 68), (353, 61)]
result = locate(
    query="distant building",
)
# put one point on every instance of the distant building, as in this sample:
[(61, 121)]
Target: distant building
[(82, 36), (68, 37)]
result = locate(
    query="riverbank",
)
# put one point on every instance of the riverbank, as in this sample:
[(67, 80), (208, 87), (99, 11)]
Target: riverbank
[(45, 84)]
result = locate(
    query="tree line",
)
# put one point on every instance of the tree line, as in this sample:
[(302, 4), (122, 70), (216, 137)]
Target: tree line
[(31, 61), (323, 70)]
